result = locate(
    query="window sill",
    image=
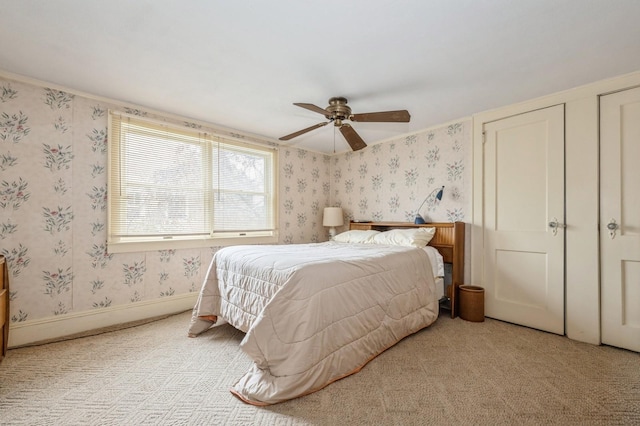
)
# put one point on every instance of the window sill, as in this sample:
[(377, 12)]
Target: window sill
[(177, 244)]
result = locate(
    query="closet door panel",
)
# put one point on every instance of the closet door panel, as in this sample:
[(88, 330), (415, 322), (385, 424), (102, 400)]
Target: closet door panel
[(523, 233), (620, 218)]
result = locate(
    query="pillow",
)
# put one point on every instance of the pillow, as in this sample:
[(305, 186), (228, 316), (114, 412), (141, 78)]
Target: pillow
[(416, 237), (356, 236)]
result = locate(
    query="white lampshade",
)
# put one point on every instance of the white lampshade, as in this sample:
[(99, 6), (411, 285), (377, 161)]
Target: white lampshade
[(332, 216)]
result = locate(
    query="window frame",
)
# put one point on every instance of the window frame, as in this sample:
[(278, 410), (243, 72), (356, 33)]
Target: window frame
[(122, 244)]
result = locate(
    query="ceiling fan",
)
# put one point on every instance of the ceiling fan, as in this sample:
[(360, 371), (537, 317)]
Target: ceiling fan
[(338, 111)]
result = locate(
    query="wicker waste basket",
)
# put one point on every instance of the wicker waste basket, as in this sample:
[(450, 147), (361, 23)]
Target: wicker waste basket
[(471, 300)]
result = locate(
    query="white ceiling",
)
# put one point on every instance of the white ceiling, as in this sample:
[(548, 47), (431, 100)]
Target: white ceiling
[(242, 64)]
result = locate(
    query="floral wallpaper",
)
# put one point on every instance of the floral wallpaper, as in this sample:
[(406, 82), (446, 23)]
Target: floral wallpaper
[(388, 181), (53, 210), (53, 207), (304, 193)]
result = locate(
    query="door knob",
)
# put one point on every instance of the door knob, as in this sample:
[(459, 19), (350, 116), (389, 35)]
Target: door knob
[(612, 226), (554, 225)]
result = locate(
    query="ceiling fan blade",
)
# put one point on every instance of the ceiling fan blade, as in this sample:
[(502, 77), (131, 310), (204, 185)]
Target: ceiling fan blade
[(352, 137), (400, 116), (314, 108), (303, 131)]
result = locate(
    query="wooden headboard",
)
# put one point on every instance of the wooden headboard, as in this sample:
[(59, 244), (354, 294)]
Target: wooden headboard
[(448, 240)]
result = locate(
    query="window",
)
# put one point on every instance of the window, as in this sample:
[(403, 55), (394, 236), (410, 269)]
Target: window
[(177, 187)]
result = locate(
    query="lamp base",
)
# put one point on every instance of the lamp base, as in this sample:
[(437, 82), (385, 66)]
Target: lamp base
[(332, 232), (419, 220)]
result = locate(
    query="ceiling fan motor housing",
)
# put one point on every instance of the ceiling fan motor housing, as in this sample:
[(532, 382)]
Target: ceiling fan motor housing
[(339, 110)]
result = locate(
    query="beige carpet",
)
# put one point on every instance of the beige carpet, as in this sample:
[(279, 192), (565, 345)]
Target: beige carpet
[(454, 372)]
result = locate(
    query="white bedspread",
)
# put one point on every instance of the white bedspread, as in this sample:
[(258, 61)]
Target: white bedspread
[(314, 313)]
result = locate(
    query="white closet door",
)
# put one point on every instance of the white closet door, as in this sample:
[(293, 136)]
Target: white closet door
[(523, 257), (620, 218)]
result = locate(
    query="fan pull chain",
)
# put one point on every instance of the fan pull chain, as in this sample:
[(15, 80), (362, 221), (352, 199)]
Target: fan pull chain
[(334, 139)]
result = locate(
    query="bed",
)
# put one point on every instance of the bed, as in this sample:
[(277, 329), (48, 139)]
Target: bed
[(448, 240), (315, 313)]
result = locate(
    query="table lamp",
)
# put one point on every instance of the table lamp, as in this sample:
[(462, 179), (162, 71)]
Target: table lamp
[(332, 217), (438, 196)]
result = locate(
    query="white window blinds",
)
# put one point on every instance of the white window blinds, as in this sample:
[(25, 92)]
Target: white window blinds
[(172, 183)]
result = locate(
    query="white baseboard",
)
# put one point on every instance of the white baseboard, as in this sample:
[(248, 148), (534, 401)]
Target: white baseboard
[(28, 332)]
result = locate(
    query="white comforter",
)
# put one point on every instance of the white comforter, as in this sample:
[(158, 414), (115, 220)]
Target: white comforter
[(314, 313)]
